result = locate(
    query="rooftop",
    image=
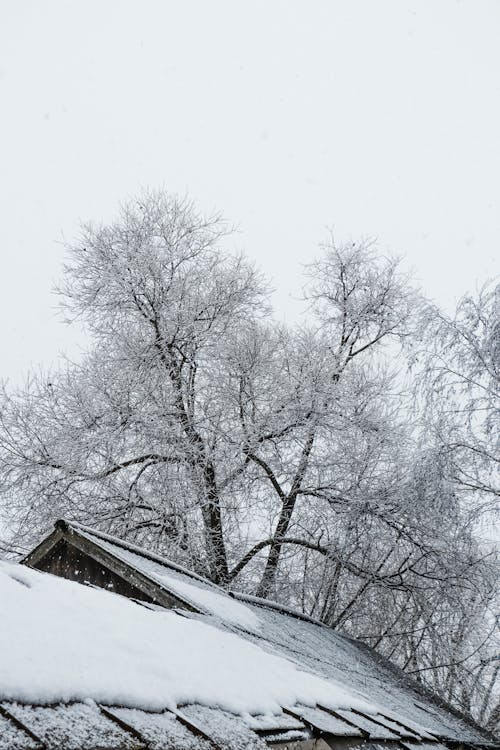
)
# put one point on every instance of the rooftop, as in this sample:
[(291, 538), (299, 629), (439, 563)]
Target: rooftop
[(211, 667)]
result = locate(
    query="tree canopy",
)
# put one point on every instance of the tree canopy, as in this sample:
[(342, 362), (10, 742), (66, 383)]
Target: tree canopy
[(305, 463)]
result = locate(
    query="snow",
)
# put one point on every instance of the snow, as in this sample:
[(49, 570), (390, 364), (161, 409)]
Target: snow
[(272, 722), (73, 727), (161, 731), (221, 605), (229, 732), (375, 730), (347, 662), (395, 727), (311, 646), (62, 641), (12, 738), (326, 722), (193, 590)]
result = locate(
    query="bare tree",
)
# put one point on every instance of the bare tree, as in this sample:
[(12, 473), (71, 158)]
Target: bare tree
[(458, 368), (190, 413), (284, 461), (360, 301), (158, 295)]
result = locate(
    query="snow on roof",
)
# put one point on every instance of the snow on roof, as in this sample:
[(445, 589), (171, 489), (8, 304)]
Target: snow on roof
[(228, 607), (310, 644), (356, 667), (241, 654), (193, 589), (62, 641)]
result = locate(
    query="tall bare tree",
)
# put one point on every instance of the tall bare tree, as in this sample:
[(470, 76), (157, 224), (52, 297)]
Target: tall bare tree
[(282, 460), (157, 295)]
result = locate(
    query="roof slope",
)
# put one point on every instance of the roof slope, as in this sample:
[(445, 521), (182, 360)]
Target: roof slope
[(352, 669), (62, 641), (82, 668)]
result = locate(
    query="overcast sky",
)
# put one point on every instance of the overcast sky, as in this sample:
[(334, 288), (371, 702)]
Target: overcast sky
[(378, 119)]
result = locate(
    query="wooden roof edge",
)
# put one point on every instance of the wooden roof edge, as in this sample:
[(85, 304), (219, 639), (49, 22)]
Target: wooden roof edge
[(39, 552), (79, 527), (157, 591), (192, 724), (124, 725), (151, 588)]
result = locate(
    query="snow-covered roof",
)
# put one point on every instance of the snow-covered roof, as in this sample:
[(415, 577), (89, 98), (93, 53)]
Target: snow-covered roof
[(202, 595), (220, 661), (64, 642), (84, 667)]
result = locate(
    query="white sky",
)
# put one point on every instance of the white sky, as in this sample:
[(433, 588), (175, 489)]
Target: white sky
[(377, 118)]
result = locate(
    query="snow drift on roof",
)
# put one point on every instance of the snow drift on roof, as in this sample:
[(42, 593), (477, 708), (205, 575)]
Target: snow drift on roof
[(62, 641), (205, 596)]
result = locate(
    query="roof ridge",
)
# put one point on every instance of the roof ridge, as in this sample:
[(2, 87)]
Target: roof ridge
[(283, 608), (234, 594)]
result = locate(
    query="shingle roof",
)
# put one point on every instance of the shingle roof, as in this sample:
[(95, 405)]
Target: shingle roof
[(373, 700)]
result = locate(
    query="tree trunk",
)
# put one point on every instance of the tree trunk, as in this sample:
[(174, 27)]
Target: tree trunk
[(269, 576), (211, 510), (266, 584), (210, 507)]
